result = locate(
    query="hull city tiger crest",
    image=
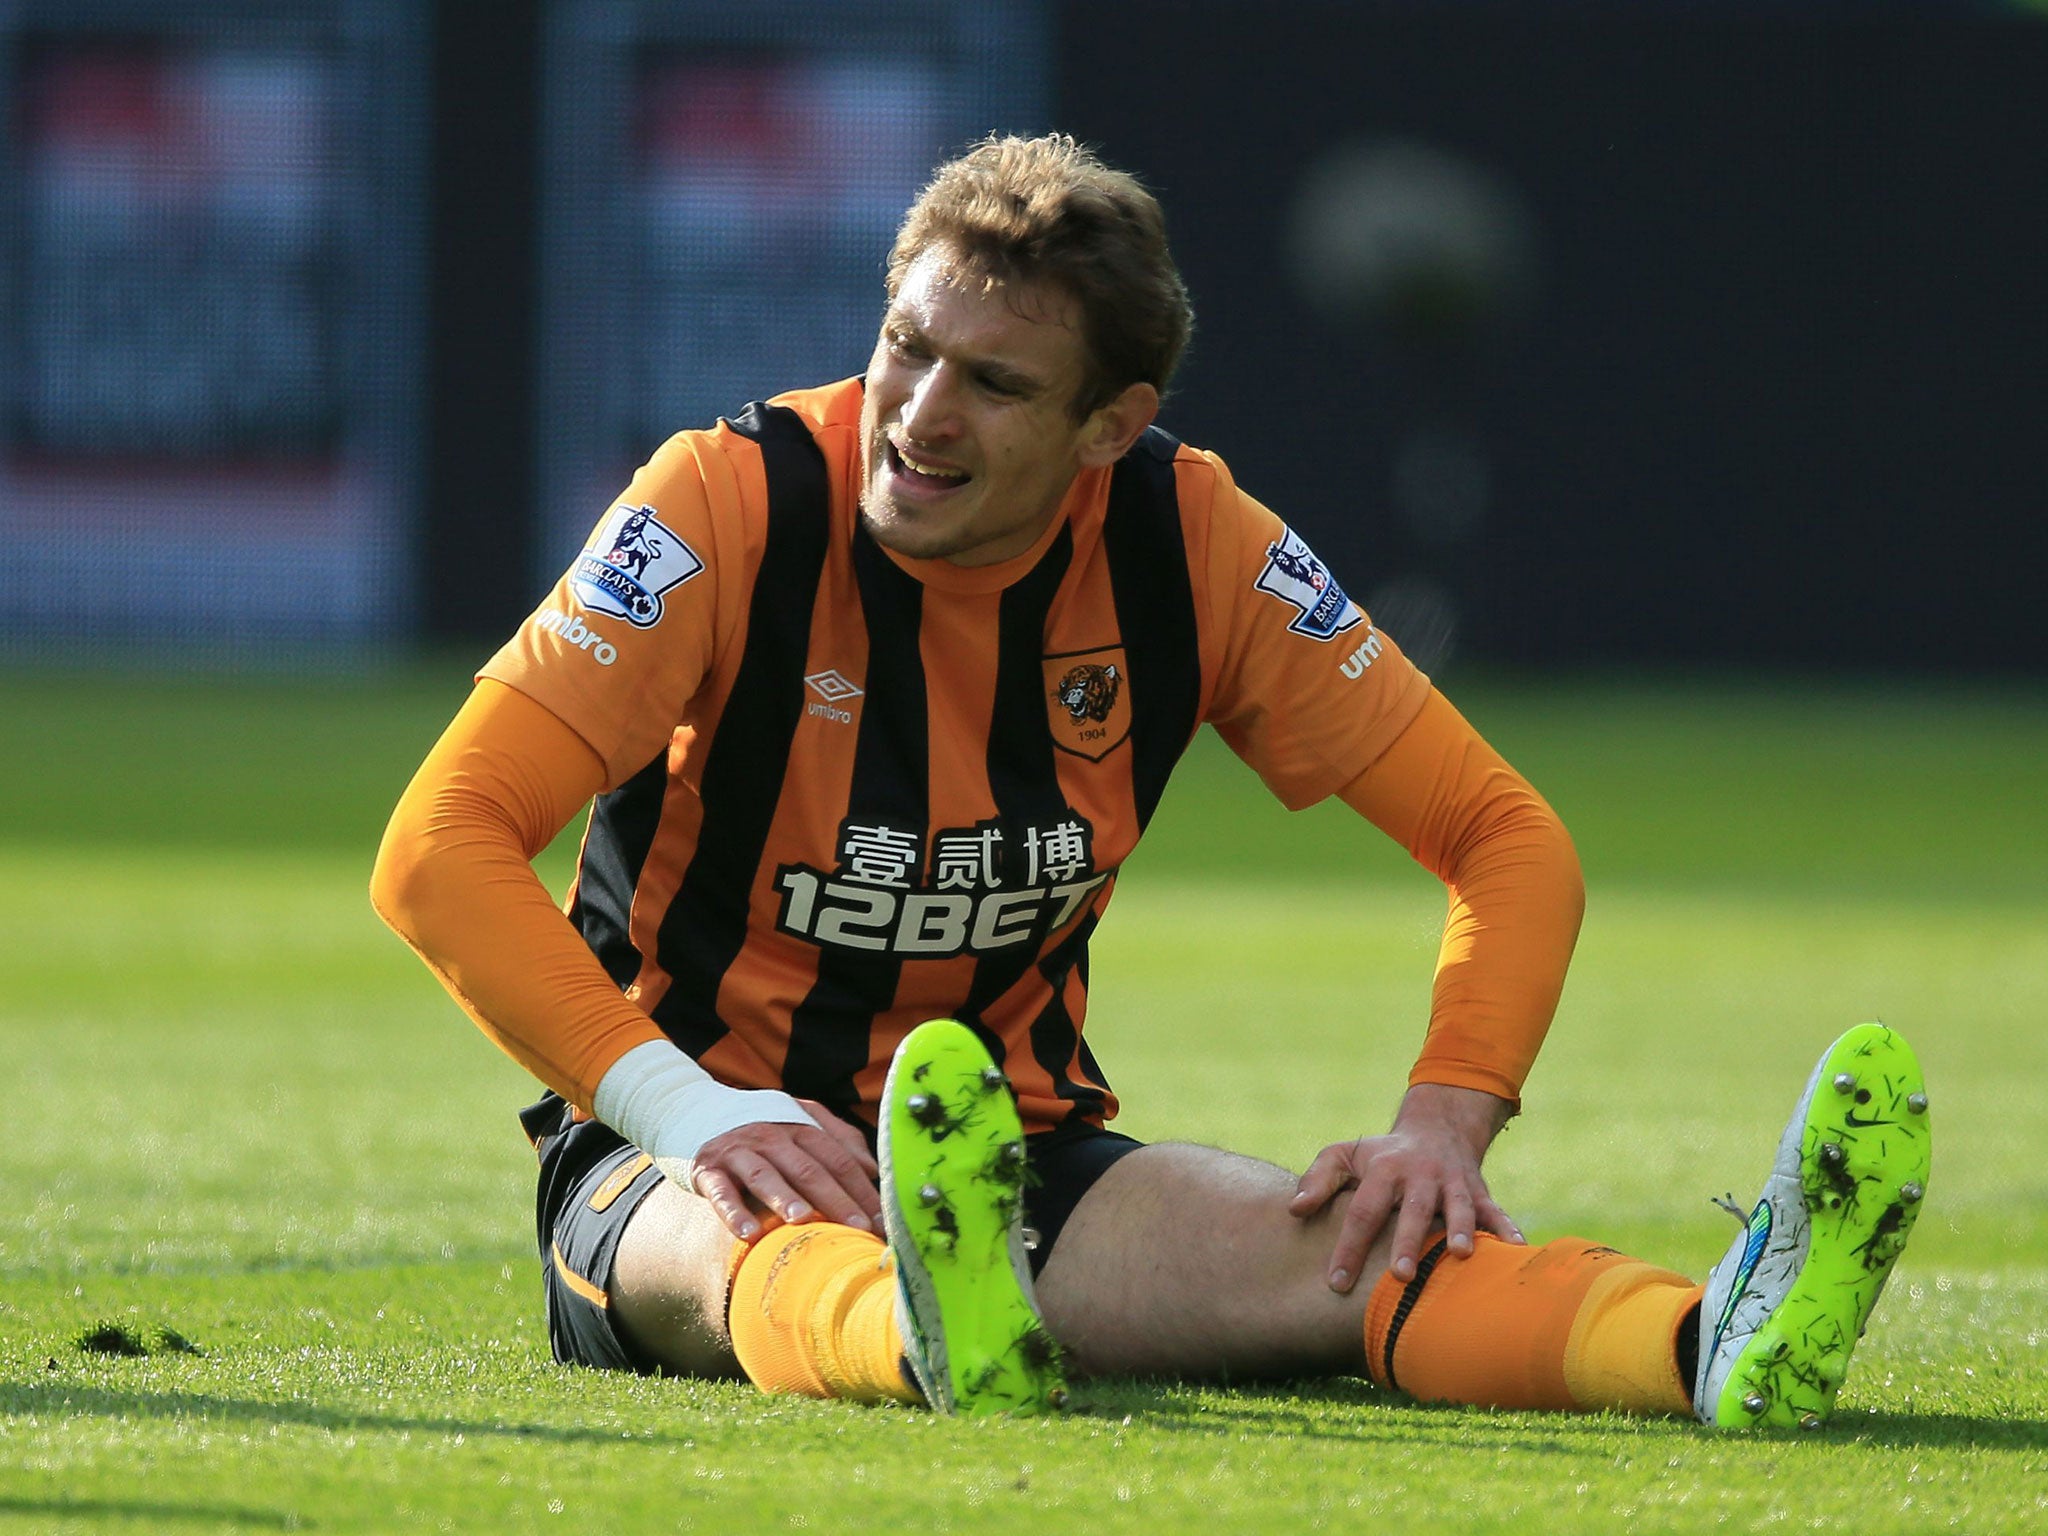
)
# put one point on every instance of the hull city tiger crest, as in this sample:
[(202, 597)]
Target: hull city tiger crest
[(1295, 576), (1088, 704), (629, 563)]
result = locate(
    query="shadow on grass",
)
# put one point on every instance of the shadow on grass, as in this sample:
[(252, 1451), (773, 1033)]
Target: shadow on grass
[(1346, 1411), (1949, 1429), (1316, 1410), (73, 1400), (1340, 1411), (97, 1510)]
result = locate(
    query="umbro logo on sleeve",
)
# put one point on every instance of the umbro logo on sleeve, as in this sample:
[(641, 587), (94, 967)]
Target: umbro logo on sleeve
[(574, 632)]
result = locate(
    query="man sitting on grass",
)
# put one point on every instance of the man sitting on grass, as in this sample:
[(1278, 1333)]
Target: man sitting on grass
[(875, 686)]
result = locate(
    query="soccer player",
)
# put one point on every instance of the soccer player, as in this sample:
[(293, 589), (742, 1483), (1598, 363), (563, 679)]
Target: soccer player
[(875, 686)]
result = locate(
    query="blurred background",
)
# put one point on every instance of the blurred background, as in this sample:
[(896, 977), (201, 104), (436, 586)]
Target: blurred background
[(1704, 334)]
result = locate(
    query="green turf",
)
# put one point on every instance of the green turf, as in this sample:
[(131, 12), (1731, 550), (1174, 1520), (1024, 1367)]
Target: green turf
[(244, 1113)]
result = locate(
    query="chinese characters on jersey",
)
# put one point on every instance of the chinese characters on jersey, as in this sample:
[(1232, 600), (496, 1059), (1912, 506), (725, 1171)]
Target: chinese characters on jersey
[(983, 888)]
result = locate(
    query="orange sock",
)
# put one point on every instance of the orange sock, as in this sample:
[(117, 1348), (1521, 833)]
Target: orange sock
[(1568, 1325), (813, 1310)]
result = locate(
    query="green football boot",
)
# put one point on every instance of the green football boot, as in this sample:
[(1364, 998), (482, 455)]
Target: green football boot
[(952, 1155), (1787, 1303)]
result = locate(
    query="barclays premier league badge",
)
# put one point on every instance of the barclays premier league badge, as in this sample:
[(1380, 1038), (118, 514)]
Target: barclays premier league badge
[(1295, 576), (631, 562)]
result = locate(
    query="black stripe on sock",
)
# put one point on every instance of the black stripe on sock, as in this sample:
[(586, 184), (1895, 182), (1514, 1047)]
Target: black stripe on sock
[(706, 923), (1423, 1270), (829, 1029), (1155, 605)]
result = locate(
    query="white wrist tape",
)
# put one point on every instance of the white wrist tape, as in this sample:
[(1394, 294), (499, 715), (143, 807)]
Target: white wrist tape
[(666, 1105)]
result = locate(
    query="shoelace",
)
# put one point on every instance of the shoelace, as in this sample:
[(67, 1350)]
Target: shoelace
[(1727, 1203)]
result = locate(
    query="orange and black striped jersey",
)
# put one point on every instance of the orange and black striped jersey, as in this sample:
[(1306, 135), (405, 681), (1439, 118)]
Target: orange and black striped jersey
[(847, 790)]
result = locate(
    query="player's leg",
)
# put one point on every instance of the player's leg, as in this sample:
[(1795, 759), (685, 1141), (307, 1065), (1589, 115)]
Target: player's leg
[(816, 1308), (1782, 1311), (642, 1275), (1183, 1260), (627, 1277), (807, 1308), (671, 1282)]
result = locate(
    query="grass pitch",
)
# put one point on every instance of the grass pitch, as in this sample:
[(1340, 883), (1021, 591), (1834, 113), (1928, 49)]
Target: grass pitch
[(251, 1139)]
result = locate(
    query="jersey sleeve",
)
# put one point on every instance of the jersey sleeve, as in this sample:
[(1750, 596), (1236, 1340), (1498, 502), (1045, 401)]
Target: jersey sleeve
[(628, 634), (1308, 691), (1516, 895), (454, 879)]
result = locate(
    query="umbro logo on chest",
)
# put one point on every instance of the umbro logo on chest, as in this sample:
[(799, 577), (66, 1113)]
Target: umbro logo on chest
[(831, 691)]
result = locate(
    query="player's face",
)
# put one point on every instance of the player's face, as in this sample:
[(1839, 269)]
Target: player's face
[(968, 445)]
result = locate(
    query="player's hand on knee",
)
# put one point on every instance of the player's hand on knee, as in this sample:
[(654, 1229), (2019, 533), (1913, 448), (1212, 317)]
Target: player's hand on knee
[(800, 1172), (1422, 1174), (847, 1134), (1368, 1169), (1403, 1184)]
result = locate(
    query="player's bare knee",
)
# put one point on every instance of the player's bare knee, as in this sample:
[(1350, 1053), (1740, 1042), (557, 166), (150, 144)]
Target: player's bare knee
[(668, 1292)]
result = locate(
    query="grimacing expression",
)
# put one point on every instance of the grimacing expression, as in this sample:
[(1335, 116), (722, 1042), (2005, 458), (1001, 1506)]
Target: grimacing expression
[(968, 444)]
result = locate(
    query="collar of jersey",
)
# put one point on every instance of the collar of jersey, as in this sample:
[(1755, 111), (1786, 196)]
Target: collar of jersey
[(1087, 490)]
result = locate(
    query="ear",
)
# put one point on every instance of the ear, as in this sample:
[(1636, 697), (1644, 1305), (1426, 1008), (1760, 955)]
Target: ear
[(1107, 435)]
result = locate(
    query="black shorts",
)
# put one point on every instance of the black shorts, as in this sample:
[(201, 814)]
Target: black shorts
[(592, 1180)]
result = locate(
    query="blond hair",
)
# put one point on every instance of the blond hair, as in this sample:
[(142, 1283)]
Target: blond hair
[(1048, 211)]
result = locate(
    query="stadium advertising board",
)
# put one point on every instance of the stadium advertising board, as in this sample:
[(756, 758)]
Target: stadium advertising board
[(208, 287)]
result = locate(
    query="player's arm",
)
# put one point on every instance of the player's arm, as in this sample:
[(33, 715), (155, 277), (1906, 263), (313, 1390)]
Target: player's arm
[(454, 878), (1516, 899)]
